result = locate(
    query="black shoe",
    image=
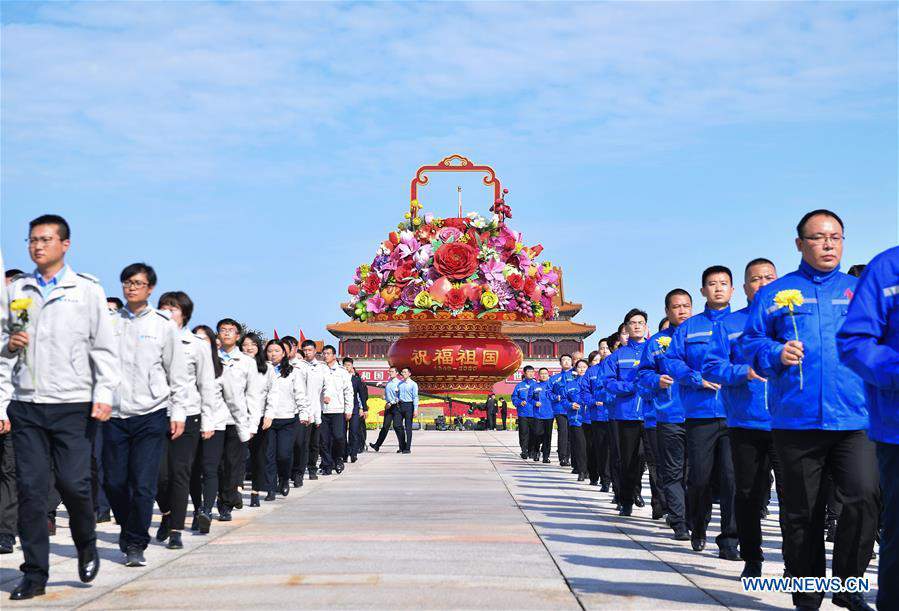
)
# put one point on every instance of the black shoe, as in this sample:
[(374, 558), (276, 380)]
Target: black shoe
[(763, 514), (639, 502), (728, 553), (285, 487), (399, 451), (254, 500), (853, 602), (524, 455), (326, 472), (604, 488), (594, 482), (698, 544), (27, 589), (238, 500), (298, 482), (545, 461), (407, 451), (224, 514), (134, 557), (195, 523), (103, 517), (353, 458), (615, 500), (88, 563), (537, 459), (339, 468), (573, 471), (204, 522), (51, 527), (7, 544), (681, 535), (313, 474), (657, 514), (271, 496), (564, 463), (751, 568), (625, 510), (162, 533), (175, 541), (581, 477)]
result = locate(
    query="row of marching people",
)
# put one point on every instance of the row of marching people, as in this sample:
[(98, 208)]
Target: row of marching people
[(130, 406)]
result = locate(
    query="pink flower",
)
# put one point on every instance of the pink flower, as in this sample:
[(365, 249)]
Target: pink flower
[(423, 256), (407, 246), (447, 234), (429, 218), (376, 304), (493, 270)]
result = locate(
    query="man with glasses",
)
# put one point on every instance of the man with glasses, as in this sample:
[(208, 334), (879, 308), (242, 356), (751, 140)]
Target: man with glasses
[(58, 337), (391, 400), (818, 412), (312, 375)]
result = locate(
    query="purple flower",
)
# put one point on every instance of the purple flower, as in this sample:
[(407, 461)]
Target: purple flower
[(493, 270), (378, 264), (408, 295), (376, 304), (407, 246), (448, 234), (423, 256)]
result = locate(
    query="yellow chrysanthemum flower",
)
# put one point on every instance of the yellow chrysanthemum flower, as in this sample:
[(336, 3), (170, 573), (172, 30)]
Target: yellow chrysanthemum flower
[(17, 305), (664, 342), (789, 298)]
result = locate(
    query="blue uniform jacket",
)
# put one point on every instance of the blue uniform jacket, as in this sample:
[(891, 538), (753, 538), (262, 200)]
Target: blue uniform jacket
[(832, 396), (540, 392), (666, 401), (597, 403), (555, 382), (869, 343), (683, 362), (618, 374), (571, 394), (746, 402), (585, 395), (520, 399)]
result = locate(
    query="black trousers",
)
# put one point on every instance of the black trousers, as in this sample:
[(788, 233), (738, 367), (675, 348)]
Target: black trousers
[(353, 444), (599, 431), (708, 449), (315, 435), (204, 474), (9, 507), (402, 424), (173, 486), (301, 450), (101, 503), (541, 438), (564, 447), (651, 453), (525, 426), (615, 458), (47, 436), (592, 471), (888, 579), (672, 439), (851, 458), (386, 425), (231, 469), (491, 418), (282, 435), (578, 449), (754, 457), (259, 461), (333, 439), (629, 437), (504, 416)]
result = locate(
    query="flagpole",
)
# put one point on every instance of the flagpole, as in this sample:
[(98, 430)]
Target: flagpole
[(459, 189)]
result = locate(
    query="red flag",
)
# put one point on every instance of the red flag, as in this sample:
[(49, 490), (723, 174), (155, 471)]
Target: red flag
[(302, 337), (276, 334)]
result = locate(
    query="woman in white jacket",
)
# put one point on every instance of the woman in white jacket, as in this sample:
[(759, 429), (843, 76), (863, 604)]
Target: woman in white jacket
[(285, 406), (251, 345)]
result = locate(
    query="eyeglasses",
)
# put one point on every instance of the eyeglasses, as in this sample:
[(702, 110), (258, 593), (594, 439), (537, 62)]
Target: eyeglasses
[(44, 240), (134, 284), (819, 239)]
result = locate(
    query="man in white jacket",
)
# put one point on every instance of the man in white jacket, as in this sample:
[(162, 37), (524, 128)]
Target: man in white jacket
[(337, 409), (312, 374)]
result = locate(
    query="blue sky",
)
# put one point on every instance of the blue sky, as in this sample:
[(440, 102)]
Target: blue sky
[(255, 153)]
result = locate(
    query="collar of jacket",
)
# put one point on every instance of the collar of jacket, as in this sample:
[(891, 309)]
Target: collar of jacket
[(817, 276), (633, 343), (147, 309), (64, 277), (715, 315)]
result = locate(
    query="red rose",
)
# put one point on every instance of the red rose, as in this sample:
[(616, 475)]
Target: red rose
[(515, 281), (372, 283), (454, 222), (404, 273), (455, 299), (353, 289), (456, 260), (530, 288)]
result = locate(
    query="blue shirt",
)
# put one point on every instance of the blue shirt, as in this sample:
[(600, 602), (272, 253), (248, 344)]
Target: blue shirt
[(665, 401), (48, 285), (868, 343), (408, 392), (540, 392), (391, 391), (555, 383), (683, 361), (831, 396), (597, 399), (520, 399), (619, 378), (746, 402)]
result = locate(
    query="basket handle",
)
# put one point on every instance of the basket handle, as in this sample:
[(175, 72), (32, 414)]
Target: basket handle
[(453, 163)]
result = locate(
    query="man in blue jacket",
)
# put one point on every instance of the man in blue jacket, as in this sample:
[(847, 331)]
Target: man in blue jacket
[(599, 424), (708, 444), (817, 405), (540, 398), (559, 412), (524, 411), (619, 377), (745, 395), (869, 345), (670, 428)]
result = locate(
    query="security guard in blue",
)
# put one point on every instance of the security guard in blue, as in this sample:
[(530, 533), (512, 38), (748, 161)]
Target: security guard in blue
[(559, 412), (599, 425), (575, 409), (868, 343), (619, 378), (818, 411), (745, 395), (651, 450), (670, 428), (540, 398), (586, 392), (708, 443), (524, 410)]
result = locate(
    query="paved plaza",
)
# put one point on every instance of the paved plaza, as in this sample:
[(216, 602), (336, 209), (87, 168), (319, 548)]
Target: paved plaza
[(461, 523)]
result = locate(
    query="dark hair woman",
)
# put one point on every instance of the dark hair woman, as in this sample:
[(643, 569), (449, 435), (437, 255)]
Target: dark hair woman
[(285, 401), (251, 345)]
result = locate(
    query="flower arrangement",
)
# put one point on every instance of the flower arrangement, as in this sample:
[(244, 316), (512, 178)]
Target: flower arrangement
[(791, 298), (470, 264)]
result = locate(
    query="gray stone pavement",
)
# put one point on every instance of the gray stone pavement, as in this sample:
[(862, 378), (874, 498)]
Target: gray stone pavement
[(461, 523)]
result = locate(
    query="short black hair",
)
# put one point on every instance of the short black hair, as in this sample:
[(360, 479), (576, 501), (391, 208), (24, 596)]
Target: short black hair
[(856, 270), (543, 369), (62, 227), (662, 323), (635, 312), (674, 293), (139, 268), (180, 300), (115, 300), (621, 327), (346, 360), (409, 369), (329, 347), (228, 321), (717, 269), (307, 342), (562, 356), (12, 273), (821, 211), (527, 368), (758, 261), (290, 339), (579, 361)]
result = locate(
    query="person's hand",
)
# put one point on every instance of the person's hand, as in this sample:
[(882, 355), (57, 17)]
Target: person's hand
[(415, 414), (304, 422), (752, 375), (176, 428), (207, 434), (711, 385), (665, 381), (537, 404), (575, 406), (326, 400), (266, 423), (17, 340), (5, 427), (792, 353), (101, 411), (348, 416)]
